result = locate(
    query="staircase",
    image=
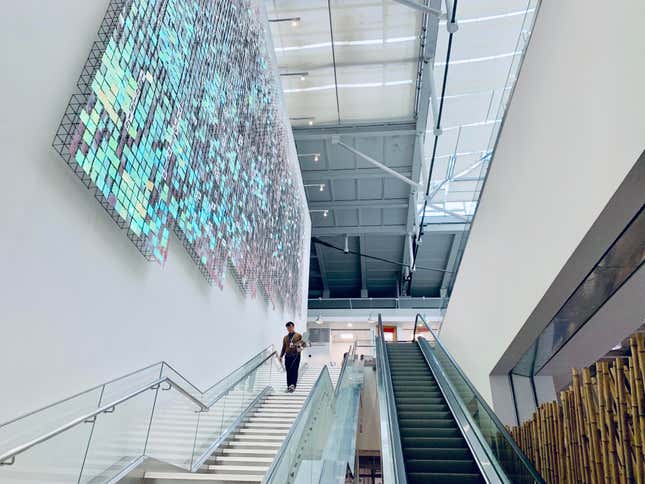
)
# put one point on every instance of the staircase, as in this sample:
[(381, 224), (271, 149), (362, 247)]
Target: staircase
[(248, 453), (433, 447)]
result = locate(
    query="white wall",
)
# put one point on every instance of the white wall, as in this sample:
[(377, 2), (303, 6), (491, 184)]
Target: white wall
[(574, 129), (78, 303)]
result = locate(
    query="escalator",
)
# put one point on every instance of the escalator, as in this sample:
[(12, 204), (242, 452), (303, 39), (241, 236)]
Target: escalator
[(435, 426), (434, 449)]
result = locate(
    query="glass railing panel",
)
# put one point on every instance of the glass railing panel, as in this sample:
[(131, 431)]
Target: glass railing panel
[(213, 424), (31, 426), (47, 419), (172, 433), (299, 459), (512, 460), (340, 450), (118, 438), (58, 460), (221, 386)]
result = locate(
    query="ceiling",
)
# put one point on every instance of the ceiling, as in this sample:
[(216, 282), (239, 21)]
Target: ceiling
[(358, 76)]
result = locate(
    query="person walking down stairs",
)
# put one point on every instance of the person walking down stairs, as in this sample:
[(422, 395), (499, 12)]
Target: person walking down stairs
[(292, 345)]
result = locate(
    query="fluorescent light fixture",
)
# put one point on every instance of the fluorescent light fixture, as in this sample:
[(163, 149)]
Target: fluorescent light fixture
[(346, 336), (293, 20), (349, 325), (299, 74)]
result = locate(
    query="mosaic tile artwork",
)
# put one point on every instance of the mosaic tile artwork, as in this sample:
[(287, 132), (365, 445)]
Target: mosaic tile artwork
[(178, 125)]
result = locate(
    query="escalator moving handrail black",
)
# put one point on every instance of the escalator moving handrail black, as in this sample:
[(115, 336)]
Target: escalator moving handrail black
[(500, 426), (393, 420)]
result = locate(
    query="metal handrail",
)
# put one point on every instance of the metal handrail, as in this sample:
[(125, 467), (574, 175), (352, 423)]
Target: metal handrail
[(285, 443), (228, 389), (350, 354), (500, 426), (9, 457), (161, 363), (392, 416), (107, 408)]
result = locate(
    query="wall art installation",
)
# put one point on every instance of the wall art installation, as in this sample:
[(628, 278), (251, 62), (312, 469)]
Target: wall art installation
[(178, 125)]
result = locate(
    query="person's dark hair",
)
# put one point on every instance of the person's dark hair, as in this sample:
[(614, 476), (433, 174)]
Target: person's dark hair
[(290, 323)]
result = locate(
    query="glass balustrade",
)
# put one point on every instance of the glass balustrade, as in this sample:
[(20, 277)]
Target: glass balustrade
[(104, 432)]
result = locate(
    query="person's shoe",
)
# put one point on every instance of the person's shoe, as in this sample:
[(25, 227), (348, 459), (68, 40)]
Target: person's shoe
[(292, 388)]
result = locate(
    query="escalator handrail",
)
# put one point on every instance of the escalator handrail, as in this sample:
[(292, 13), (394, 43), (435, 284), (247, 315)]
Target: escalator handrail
[(485, 458), (9, 457), (392, 419), (500, 426)]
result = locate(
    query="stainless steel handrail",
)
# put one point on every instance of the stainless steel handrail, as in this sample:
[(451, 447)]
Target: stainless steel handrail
[(285, 443), (107, 408), (500, 426), (350, 354), (391, 424), (161, 364), (228, 389), (9, 457)]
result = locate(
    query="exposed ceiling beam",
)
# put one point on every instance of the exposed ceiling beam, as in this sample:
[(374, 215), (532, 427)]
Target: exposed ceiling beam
[(323, 269), (430, 31), (357, 230), (451, 266), (361, 248), (394, 128), (378, 203), (420, 7), (369, 159), (314, 176)]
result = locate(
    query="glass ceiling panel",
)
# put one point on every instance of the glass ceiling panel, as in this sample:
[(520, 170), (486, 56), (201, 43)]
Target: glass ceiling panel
[(485, 56), (375, 55)]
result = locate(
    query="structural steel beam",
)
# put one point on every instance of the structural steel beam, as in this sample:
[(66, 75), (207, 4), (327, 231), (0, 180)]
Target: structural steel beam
[(323, 269), (452, 263), (361, 248), (387, 169), (430, 31), (379, 203), (419, 7), (393, 128), (358, 230), (319, 176)]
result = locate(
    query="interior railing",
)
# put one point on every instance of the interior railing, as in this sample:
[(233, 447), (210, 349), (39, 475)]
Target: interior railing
[(393, 464), (321, 443), (305, 439), (105, 432), (506, 459), (339, 454)]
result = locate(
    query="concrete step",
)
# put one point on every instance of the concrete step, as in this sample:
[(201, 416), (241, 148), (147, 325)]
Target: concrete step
[(237, 469), (258, 461), (183, 477)]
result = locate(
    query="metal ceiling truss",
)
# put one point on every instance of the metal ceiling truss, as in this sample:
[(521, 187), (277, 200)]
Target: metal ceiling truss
[(425, 91)]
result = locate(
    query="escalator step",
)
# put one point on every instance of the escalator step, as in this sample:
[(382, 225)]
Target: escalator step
[(405, 414), (428, 416), (434, 442), (447, 453), (443, 478), (430, 424), (419, 437), (466, 466)]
